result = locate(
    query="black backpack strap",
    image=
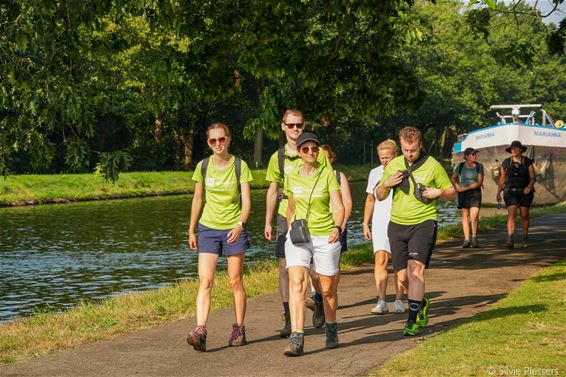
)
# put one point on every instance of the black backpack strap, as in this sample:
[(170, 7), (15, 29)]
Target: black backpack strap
[(460, 168), (203, 169), (238, 168), (338, 177), (281, 161)]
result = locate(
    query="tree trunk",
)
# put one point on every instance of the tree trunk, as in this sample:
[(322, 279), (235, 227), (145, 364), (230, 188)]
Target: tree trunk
[(177, 139), (187, 137), (258, 147)]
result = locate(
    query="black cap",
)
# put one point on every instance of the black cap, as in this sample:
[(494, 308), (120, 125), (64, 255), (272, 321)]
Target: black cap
[(307, 136), (470, 151), (516, 143)]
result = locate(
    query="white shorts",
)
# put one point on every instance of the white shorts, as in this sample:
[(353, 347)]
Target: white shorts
[(326, 256), (379, 237)]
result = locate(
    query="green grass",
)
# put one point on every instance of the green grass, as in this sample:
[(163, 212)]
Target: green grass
[(37, 189), (524, 330)]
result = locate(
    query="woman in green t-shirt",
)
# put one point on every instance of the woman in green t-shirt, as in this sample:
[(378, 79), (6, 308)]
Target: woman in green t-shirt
[(314, 195), (222, 184)]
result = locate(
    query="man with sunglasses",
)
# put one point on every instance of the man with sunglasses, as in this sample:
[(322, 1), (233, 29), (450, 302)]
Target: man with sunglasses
[(292, 125), (417, 180)]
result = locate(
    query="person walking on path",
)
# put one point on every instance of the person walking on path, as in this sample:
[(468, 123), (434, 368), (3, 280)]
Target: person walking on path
[(223, 186), (280, 164), (314, 199), (379, 212), (316, 296), (468, 179), (417, 180), (516, 180)]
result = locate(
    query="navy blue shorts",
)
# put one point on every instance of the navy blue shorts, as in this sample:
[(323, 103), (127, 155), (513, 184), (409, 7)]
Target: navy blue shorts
[(215, 241), (281, 235)]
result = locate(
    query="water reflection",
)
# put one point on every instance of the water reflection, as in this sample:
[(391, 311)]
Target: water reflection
[(57, 255)]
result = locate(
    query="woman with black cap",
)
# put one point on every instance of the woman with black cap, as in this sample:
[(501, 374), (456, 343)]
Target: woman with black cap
[(315, 214), (517, 180), (468, 179)]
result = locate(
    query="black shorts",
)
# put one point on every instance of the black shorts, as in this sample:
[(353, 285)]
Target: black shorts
[(281, 236), (469, 199), (344, 241), (515, 197), (411, 242)]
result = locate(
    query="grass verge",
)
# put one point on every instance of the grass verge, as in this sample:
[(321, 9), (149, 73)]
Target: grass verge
[(38, 189), (522, 335)]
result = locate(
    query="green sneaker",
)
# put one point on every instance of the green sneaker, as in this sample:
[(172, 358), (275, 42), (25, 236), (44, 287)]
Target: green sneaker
[(422, 317), (411, 329)]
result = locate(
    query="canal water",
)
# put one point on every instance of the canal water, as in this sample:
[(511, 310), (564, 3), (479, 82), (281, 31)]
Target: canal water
[(54, 256)]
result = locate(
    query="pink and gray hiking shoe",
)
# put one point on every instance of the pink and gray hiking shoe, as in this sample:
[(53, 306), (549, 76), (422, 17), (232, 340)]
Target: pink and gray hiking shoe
[(238, 337), (197, 338)]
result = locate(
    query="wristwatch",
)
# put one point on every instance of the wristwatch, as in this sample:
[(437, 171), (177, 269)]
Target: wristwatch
[(339, 228)]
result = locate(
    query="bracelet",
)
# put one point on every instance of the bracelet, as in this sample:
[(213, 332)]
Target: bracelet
[(242, 224), (366, 225), (339, 228)]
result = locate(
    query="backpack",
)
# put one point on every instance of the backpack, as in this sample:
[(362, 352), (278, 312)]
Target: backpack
[(238, 166)]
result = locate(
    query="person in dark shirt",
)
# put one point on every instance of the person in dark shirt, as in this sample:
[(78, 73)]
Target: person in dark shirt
[(516, 181)]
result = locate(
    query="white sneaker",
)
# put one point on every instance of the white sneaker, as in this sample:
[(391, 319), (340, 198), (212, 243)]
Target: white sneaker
[(380, 308), (399, 308)]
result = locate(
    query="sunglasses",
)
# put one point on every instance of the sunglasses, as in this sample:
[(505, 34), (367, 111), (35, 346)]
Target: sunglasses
[(220, 140), (294, 125), (306, 150)]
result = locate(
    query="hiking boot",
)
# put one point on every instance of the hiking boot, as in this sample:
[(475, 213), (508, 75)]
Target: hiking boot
[(380, 307), (411, 329), (285, 332), (399, 308), (525, 241), (510, 244), (422, 317), (466, 244), (475, 242), (296, 344), (309, 302), (238, 337), (318, 314), (331, 331), (197, 338)]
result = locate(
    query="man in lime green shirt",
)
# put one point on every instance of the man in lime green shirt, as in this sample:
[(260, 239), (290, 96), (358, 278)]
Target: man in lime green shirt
[(418, 180), (292, 125)]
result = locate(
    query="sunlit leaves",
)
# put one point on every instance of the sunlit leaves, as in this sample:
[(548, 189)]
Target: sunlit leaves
[(112, 163), (515, 54)]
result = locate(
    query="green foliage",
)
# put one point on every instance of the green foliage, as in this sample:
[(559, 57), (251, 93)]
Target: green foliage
[(556, 40), (112, 163), (484, 15), (81, 79)]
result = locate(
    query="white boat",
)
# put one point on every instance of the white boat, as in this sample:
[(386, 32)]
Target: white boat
[(545, 142)]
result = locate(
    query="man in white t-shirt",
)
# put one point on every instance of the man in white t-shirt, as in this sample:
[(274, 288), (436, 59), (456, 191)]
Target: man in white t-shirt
[(380, 214)]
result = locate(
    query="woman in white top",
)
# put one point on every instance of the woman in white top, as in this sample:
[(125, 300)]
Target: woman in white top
[(380, 213)]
